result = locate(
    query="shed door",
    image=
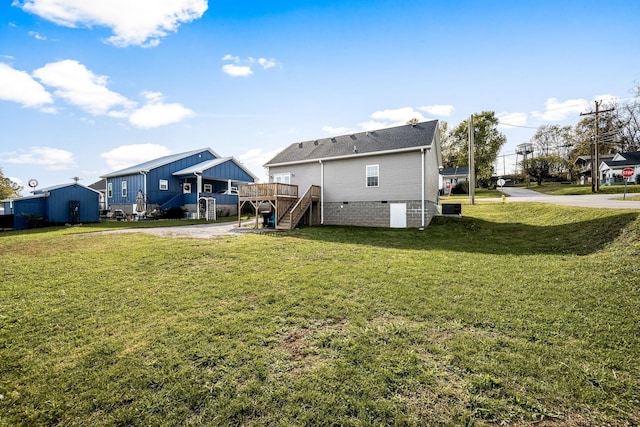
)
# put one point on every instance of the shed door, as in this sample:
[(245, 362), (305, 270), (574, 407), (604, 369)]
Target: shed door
[(398, 213), (74, 211)]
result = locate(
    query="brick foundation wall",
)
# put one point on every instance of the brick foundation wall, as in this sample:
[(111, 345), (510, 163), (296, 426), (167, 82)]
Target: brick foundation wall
[(375, 214)]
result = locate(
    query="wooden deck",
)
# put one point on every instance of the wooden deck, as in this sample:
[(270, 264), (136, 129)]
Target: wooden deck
[(283, 199), (269, 191)]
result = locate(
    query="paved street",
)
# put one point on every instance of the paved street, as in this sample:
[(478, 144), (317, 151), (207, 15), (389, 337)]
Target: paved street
[(607, 201)]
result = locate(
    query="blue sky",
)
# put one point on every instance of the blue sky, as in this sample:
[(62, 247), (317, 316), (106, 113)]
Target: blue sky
[(87, 88)]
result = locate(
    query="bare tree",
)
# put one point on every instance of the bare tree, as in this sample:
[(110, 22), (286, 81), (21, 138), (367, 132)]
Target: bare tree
[(626, 121), (553, 139)]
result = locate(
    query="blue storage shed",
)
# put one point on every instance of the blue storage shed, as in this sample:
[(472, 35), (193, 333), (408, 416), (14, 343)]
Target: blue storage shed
[(62, 204)]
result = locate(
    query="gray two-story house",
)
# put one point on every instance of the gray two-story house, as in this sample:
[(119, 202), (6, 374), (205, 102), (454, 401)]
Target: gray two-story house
[(382, 178)]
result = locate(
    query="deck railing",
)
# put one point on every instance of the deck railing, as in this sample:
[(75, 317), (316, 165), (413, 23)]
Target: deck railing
[(299, 209), (268, 190)]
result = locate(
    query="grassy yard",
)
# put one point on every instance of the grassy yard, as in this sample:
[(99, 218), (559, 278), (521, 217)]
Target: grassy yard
[(515, 314)]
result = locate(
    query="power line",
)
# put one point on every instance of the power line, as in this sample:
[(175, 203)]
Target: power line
[(594, 147)]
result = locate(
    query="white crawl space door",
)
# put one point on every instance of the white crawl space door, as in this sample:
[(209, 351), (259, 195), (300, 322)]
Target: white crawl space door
[(398, 213)]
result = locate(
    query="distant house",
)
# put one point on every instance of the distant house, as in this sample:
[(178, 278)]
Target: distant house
[(611, 170), (194, 180), (101, 186), (58, 205), (582, 167), (450, 177), (381, 178)]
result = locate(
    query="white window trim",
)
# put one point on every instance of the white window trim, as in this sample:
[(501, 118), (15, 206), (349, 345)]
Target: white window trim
[(124, 188), (163, 185), (377, 176), (282, 178), (207, 188), (110, 190)]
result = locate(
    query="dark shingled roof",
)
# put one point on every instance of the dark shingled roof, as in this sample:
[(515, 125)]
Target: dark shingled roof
[(631, 158), (389, 139), (457, 171)]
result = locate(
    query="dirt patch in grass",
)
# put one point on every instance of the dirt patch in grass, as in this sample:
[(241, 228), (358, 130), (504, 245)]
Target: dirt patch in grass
[(302, 345)]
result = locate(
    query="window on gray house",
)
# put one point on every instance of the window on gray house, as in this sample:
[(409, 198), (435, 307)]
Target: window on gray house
[(373, 175)]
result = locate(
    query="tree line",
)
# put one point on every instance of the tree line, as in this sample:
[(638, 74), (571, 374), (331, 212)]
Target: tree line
[(555, 147)]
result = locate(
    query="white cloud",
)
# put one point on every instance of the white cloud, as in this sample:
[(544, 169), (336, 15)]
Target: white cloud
[(79, 86), (19, 86), (229, 57), (438, 109), (556, 110), (129, 155), (156, 113), (399, 115), (267, 63), (255, 158), (606, 99), (337, 131), (514, 119), (237, 70), (46, 157), (36, 35), (133, 22), (373, 125), (244, 67)]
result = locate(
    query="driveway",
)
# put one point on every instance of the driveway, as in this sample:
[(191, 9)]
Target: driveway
[(517, 194), (200, 231)]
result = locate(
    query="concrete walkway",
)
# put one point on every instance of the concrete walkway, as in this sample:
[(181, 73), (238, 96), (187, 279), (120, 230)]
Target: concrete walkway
[(605, 201)]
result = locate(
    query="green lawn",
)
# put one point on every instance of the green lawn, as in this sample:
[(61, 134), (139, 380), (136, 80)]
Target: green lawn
[(517, 314)]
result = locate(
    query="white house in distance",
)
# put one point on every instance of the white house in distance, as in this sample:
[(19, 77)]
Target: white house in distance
[(450, 177), (611, 170), (382, 178)]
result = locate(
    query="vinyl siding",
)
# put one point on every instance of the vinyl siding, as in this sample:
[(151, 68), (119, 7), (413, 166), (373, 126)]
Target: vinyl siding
[(345, 179)]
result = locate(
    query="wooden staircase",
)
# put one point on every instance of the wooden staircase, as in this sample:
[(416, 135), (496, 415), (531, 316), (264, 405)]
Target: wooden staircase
[(294, 214)]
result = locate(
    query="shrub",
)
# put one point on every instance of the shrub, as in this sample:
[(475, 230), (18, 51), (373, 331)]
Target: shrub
[(461, 188), (175, 213)]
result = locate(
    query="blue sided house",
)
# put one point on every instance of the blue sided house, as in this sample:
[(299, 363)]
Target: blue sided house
[(199, 181), (58, 205)]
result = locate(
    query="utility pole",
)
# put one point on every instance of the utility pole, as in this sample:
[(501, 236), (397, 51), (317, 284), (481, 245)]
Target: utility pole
[(472, 171), (594, 149)]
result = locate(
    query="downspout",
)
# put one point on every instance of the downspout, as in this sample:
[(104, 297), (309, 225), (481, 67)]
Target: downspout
[(198, 190), (321, 192), (144, 189), (423, 189)]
